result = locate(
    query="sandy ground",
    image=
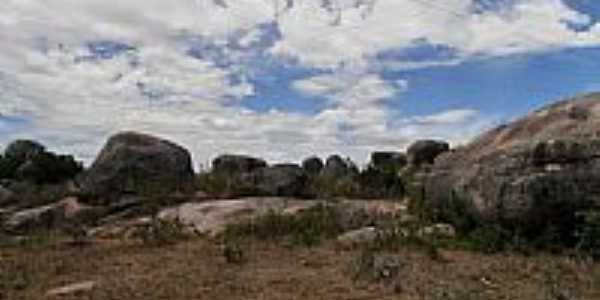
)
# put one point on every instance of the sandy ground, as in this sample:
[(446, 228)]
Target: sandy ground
[(196, 269)]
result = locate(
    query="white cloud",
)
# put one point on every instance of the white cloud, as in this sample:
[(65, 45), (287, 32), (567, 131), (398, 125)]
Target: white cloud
[(529, 25), (74, 105)]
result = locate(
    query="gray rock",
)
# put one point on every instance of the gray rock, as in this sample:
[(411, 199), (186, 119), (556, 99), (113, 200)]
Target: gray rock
[(212, 217), (388, 160), (532, 174), (440, 230), (355, 238), (68, 209), (6, 196), (425, 151), (312, 165), (135, 163), (76, 288), (284, 180), (237, 164), (337, 167)]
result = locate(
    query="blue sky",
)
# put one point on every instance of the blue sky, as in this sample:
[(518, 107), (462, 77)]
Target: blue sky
[(287, 79)]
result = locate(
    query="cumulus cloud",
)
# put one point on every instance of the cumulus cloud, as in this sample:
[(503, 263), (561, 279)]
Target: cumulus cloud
[(515, 27), (78, 71)]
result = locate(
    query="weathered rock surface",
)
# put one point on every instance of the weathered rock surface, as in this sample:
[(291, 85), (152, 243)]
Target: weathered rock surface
[(440, 230), (355, 238), (533, 173), (6, 195), (388, 160), (313, 165), (337, 167), (68, 209), (135, 163), (425, 151), (283, 180), (211, 217), (237, 164)]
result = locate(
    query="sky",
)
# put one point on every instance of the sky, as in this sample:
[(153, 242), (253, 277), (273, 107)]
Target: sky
[(286, 79)]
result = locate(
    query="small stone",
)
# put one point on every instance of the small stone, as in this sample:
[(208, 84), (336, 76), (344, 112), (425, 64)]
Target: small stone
[(440, 230), (357, 237), (76, 288)]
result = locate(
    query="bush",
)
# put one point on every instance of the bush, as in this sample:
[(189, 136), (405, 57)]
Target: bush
[(380, 183), (588, 233), (49, 168), (29, 161), (8, 167)]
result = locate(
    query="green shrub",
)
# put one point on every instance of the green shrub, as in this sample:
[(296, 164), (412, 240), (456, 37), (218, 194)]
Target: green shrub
[(8, 167), (588, 233), (382, 182)]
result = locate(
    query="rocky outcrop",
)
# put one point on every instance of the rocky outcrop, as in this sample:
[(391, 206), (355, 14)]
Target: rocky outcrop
[(6, 196), (212, 217), (425, 151), (337, 167), (388, 160), (284, 180), (56, 214), (236, 164), (533, 174), (313, 165), (135, 163)]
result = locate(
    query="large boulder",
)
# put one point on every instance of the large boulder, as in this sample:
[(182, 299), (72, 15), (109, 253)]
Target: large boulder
[(236, 164), (533, 174), (337, 167), (135, 163), (313, 165), (388, 160), (285, 180), (425, 151)]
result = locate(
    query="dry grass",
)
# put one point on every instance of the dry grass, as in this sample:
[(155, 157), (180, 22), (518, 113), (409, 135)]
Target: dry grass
[(197, 269)]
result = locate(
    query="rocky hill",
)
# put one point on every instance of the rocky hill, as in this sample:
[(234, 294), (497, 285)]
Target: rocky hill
[(534, 173)]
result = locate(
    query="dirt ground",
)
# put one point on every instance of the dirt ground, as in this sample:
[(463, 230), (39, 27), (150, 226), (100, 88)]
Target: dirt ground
[(197, 269)]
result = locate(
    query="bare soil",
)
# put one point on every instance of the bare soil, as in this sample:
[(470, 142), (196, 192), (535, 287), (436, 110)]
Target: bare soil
[(197, 269)]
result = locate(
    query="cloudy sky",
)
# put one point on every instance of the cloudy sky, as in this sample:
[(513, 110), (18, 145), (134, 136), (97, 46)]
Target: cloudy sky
[(284, 79)]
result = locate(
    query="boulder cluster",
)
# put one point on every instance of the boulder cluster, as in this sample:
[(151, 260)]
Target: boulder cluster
[(234, 176), (538, 173)]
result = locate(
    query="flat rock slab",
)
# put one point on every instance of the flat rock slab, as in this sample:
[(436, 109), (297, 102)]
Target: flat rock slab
[(211, 218), (76, 288), (355, 238)]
